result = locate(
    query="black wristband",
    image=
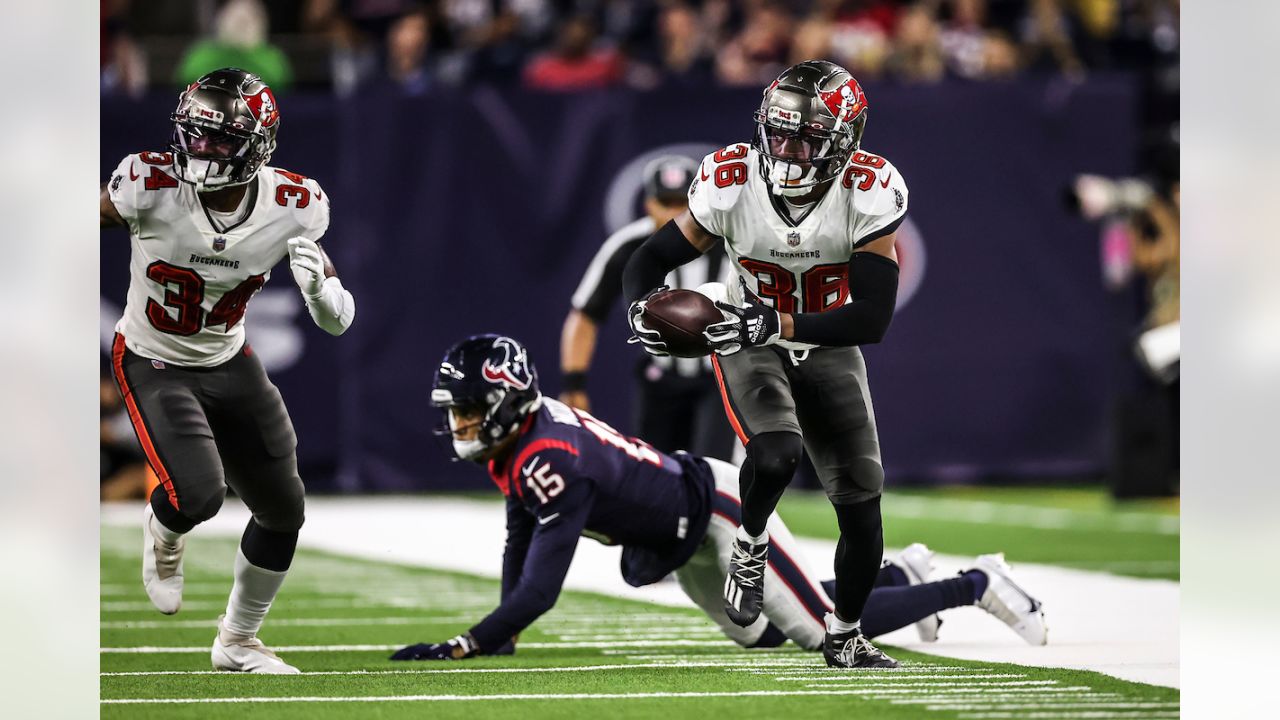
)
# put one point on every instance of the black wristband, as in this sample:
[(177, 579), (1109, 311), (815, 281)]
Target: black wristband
[(574, 381)]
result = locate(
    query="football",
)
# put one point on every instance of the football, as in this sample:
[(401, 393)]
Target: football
[(680, 316)]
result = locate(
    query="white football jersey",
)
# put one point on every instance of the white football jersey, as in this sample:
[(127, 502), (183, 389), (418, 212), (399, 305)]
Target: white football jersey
[(795, 266), (190, 284)]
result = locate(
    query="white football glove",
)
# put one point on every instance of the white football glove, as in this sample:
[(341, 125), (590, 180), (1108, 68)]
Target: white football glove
[(648, 338), (307, 265), (331, 306)]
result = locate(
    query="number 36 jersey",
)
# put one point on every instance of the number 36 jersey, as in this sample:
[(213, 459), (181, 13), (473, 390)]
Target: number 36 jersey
[(796, 262), (189, 282)]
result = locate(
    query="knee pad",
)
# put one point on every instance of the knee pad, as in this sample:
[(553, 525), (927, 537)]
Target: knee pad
[(286, 514), (775, 455), (194, 507)]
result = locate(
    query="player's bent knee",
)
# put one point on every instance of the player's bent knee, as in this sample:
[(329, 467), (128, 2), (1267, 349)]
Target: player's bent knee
[(284, 518), (775, 454)]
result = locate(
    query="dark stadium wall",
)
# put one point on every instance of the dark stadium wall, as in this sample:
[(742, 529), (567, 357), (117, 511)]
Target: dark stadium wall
[(460, 213)]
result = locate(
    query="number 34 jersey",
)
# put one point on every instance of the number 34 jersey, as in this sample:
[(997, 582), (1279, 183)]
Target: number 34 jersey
[(795, 262), (189, 282)]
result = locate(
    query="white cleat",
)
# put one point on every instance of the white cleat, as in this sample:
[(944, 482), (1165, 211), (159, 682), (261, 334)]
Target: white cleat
[(1004, 599), (916, 560), (236, 653), (161, 567)]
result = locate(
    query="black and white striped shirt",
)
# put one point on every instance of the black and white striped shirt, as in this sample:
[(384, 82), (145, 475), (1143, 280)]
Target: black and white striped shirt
[(601, 286)]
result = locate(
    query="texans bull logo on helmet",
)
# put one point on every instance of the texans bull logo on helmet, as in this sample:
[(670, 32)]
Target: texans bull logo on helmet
[(509, 366)]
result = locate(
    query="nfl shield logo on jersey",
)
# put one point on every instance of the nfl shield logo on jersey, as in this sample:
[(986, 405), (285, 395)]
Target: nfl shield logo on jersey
[(793, 238), (219, 244)]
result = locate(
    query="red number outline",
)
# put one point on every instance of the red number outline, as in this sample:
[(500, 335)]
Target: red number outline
[(284, 192), (230, 308), (820, 281), (774, 282), (733, 152), (816, 284), (162, 158), (186, 299)]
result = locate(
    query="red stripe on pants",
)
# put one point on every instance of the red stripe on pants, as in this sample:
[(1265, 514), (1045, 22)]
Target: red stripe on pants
[(139, 427)]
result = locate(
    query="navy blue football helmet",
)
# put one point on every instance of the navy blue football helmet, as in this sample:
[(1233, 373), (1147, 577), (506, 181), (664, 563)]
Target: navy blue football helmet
[(489, 376)]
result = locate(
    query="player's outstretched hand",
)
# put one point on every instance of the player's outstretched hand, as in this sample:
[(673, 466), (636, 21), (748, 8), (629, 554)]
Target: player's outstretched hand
[(307, 265), (424, 651), (458, 648), (750, 325), (649, 339)]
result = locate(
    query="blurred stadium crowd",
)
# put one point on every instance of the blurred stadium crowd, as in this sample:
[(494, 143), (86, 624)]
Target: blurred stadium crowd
[(347, 45)]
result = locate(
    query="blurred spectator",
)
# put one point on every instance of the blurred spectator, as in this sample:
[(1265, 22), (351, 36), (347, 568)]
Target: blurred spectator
[(684, 53), (964, 38), (122, 470), (576, 63), (123, 67), (860, 33), (582, 44), (761, 51), (240, 40), (917, 53), (407, 44), (1046, 39)]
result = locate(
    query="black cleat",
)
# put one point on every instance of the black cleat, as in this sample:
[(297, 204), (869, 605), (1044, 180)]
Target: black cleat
[(853, 650), (744, 586)]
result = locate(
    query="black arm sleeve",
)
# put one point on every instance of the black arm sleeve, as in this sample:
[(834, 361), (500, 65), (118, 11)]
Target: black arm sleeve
[(665, 251), (873, 284), (547, 562), (520, 525)]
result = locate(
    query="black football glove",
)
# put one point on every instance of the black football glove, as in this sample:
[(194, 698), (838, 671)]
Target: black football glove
[(463, 646), (649, 339), (752, 324)]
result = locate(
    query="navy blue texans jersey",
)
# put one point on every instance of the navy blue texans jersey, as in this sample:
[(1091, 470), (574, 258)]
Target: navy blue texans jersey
[(569, 475)]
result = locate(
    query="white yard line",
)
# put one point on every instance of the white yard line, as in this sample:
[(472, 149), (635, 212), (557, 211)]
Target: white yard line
[(485, 698), (161, 649), (442, 671), (1125, 627)]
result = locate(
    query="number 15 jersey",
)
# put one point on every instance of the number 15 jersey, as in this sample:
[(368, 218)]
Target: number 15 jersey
[(189, 282), (800, 262)]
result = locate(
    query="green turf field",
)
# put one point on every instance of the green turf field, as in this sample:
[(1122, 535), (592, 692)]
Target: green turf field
[(1073, 527), (339, 618)]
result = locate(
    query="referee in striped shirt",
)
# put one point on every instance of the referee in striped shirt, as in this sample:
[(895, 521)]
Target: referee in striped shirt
[(677, 404)]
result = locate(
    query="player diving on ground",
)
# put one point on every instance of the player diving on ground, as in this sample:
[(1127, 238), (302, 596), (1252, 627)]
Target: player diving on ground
[(566, 474)]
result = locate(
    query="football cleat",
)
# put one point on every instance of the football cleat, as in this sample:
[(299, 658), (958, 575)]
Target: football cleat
[(1004, 599), (854, 650), (744, 585), (161, 566), (916, 562), (237, 653)]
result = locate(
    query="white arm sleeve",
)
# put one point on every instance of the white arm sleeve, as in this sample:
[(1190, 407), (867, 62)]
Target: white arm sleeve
[(334, 309)]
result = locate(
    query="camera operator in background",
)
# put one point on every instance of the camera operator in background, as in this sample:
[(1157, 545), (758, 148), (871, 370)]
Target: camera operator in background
[(677, 403), (1141, 244)]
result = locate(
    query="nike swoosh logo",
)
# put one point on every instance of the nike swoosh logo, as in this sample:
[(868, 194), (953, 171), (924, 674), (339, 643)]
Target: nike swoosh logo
[(702, 170), (885, 183), (132, 175), (547, 519)]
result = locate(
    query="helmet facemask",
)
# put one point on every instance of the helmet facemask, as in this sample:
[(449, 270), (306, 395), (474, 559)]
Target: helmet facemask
[(213, 158), (796, 159)]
